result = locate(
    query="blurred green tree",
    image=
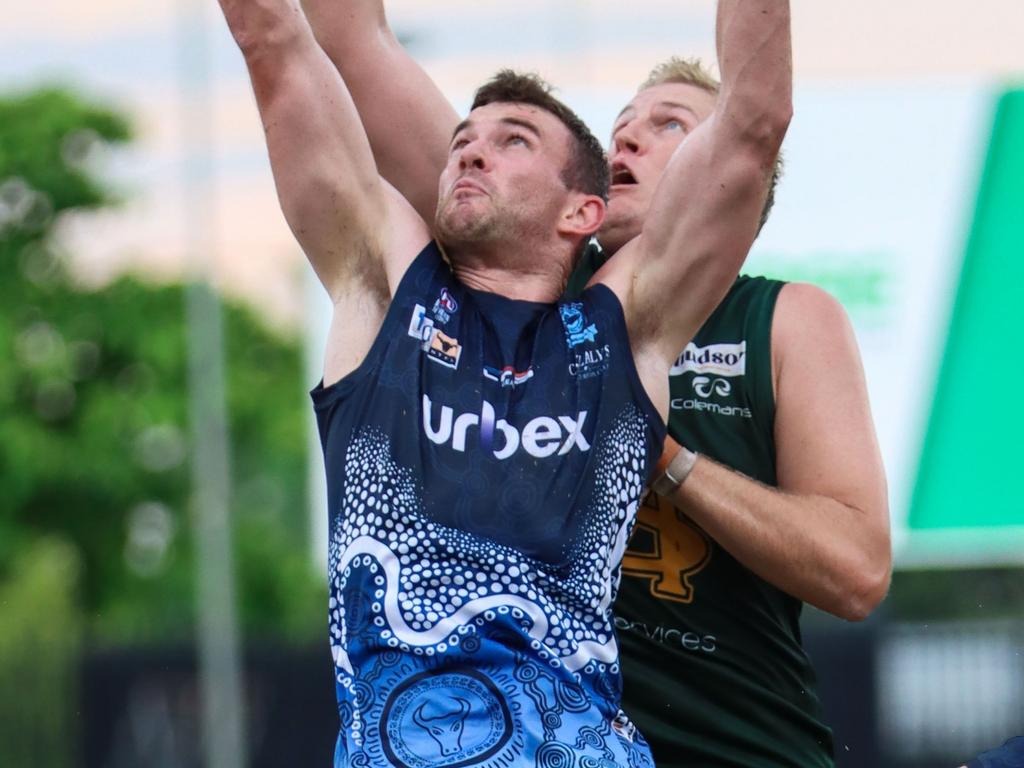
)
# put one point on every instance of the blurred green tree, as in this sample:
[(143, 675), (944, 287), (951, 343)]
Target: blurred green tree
[(93, 408)]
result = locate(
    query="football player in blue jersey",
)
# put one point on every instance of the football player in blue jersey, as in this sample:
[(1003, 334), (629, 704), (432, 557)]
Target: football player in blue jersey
[(796, 494), (478, 522)]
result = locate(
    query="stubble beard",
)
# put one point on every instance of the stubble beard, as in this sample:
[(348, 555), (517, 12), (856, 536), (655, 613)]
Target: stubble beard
[(470, 228), (495, 233)]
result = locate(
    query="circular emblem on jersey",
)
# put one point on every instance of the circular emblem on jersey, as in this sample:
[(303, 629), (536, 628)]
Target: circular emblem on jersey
[(444, 720)]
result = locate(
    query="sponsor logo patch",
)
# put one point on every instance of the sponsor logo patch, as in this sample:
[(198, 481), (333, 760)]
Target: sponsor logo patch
[(681, 638), (508, 376), (445, 306), (590, 362), (705, 386), (439, 346), (420, 326), (540, 437), (577, 331), (714, 359), (444, 349), (693, 404)]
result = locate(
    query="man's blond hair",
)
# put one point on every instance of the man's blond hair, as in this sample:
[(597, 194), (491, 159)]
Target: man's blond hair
[(693, 72), (684, 71)]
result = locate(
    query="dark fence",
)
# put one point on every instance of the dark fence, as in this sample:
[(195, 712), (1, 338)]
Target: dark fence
[(845, 658), (897, 696), (141, 708), (925, 695)]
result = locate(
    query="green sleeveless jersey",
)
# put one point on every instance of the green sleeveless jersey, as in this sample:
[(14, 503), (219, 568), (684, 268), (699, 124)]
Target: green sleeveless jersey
[(712, 662)]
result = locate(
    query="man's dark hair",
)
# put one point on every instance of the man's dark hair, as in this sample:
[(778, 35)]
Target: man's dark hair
[(587, 168)]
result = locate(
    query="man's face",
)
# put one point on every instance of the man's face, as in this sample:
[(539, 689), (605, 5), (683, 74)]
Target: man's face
[(644, 138), (503, 179)]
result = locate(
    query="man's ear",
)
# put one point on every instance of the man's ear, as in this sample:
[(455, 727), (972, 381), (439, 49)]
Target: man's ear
[(583, 216)]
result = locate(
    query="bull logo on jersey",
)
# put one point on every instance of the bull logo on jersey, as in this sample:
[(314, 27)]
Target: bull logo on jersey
[(446, 728), (447, 720), (667, 549), (444, 349), (439, 346)]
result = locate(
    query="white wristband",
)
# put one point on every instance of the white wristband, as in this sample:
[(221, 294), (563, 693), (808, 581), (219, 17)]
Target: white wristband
[(675, 473)]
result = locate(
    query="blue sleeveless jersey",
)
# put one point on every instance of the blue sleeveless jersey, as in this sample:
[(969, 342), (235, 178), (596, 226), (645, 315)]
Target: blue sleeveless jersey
[(484, 465)]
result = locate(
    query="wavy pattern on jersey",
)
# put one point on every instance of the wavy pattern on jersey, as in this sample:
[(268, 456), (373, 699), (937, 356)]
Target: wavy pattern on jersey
[(405, 634)]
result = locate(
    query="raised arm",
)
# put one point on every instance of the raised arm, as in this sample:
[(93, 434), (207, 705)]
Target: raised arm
[(406, 116), (354, 229), (706, 209)]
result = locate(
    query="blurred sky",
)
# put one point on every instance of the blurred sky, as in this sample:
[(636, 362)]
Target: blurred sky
[(131, 54)]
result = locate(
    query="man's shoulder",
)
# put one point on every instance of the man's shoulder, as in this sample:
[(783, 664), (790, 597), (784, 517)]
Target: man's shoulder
[(803, 308)]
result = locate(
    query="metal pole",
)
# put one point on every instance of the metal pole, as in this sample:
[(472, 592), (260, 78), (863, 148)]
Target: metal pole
[(220, 678)]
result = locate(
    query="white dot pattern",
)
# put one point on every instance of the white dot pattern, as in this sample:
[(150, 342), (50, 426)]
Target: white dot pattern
[(433, 584)]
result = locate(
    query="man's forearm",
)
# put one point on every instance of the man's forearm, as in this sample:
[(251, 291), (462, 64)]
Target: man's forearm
[(261, 25), (408, 120), (812, 547), (707, 209), (326, 180), (755, 56)]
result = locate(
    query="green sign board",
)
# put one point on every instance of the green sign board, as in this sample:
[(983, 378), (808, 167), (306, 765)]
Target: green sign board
[(969, 494)]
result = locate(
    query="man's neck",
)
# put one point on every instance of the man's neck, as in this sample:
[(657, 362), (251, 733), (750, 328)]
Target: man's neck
[(541, 280)]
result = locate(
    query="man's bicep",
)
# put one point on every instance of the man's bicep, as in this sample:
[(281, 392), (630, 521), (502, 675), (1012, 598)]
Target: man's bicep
[(824, 432), (408, 120), (409, 123)]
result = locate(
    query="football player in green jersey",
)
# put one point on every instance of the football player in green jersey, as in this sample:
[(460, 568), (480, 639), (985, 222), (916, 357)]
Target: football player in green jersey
[(778, 497)]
